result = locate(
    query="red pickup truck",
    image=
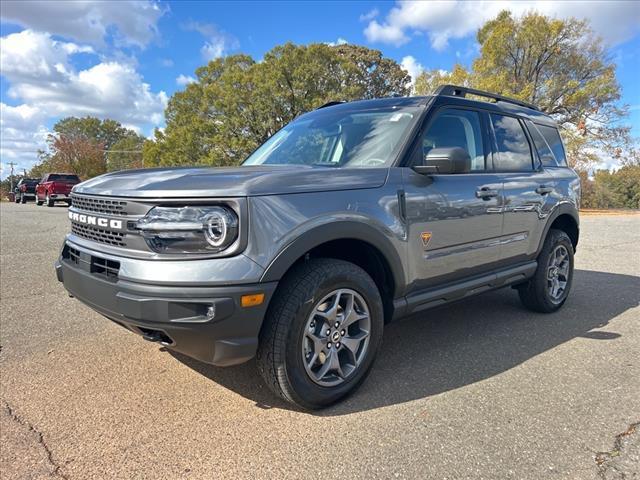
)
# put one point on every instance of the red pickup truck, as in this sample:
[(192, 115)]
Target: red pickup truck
[(55, 187)]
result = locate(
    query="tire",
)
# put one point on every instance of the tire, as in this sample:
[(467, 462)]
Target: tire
[(23, 199), (38, 201), (48, 200), (17, 199), (538, 293), (293, 314)]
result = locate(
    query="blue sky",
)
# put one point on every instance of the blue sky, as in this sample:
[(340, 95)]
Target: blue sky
[(124, 59)]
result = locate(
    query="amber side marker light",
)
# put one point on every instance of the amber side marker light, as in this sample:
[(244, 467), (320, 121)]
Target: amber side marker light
[(252, 300)]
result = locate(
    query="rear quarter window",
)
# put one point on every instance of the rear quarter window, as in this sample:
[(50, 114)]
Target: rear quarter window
[(547, 157), (552, 137)]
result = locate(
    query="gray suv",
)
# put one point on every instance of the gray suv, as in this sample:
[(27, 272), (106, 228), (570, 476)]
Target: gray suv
[(353, 215)]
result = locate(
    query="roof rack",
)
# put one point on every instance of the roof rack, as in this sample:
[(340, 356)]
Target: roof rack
[(331, 104), (456, 91)]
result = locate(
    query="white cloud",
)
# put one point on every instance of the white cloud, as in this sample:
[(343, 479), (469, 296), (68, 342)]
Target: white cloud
[(131, 22), (411, 65), (370, 15), (22, 134), (183, 80), (445, 20), (339, 41), (217, 42), (43, 80)]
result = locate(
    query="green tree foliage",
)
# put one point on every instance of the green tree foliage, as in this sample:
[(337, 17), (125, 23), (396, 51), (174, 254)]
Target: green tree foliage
[(429, 80), (560, 66), (126, 153), (606, 189), (88, 147), (237, 103)]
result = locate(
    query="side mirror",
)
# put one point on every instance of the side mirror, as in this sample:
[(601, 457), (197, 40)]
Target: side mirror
[(445, 160)]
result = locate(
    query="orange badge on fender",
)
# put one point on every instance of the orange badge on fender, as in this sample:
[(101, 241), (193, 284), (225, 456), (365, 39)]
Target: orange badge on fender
[(425, 236)]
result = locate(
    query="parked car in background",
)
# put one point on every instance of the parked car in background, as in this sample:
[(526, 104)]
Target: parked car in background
[(55, 187), (25, 190)]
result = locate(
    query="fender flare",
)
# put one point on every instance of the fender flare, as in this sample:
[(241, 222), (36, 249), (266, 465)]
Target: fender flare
[(565, 208), (341, 230)]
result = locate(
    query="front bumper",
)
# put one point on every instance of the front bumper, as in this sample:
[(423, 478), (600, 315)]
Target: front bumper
[(179, 317)]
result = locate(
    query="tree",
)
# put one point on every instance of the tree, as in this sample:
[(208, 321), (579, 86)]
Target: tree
[(429, 80), (82, 145), (563, 68), (78, 155), (236, 103), (126, 153)]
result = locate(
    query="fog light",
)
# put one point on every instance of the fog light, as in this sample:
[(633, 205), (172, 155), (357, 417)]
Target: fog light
[(252, 300), (211, 312)]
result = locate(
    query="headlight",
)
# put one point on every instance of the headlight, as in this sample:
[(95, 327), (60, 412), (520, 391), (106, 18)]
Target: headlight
[(189, 229)]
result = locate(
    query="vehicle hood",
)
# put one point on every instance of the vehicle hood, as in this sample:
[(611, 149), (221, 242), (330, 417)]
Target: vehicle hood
[(231, 182)]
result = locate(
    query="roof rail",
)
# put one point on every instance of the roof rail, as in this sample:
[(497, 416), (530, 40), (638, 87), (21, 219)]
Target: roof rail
[(456, 91), (331, 104)]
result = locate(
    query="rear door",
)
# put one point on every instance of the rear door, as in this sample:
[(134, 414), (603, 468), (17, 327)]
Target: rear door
[(526, 188), (453, 220)]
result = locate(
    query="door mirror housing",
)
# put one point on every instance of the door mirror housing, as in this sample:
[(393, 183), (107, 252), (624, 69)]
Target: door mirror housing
[(445, 160)]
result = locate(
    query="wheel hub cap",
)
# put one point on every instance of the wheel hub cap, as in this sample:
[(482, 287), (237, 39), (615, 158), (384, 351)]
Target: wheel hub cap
[(336, 337)]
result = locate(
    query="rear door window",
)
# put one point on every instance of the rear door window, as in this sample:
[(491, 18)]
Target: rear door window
[(552, 136), (514, 151)]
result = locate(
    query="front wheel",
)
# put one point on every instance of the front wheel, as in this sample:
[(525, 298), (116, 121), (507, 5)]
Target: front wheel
[(549, 288), (23, 199), (49, 201), (17, 199), (321, 333)]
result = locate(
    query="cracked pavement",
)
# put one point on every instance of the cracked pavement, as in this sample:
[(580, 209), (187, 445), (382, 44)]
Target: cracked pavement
[(480, 389)]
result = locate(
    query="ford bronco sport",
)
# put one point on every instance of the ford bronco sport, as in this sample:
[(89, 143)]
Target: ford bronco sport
[(353, 215)]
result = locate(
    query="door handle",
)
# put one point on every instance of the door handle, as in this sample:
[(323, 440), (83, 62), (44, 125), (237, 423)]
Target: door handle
[(486, 193), (543, 189)]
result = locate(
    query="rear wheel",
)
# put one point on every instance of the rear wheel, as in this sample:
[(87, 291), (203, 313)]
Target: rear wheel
[(321, 333), (549, 288)]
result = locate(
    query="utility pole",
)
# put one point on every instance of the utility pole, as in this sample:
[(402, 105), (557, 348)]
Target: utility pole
[(12, 164)]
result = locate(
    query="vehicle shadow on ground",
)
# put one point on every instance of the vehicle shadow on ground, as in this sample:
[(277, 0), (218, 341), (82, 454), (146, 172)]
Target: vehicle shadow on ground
[(460, 344)]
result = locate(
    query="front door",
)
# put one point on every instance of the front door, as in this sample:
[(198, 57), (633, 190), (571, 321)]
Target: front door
[(454, 221)]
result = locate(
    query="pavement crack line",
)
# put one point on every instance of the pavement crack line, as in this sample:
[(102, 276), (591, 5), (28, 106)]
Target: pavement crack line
[(39, 435), (603, 459)]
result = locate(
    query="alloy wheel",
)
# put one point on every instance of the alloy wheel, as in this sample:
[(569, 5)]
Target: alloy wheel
[(336, 337), (558, 273)]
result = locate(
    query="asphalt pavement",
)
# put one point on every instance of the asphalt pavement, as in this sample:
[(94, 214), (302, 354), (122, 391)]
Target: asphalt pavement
[(482, 389)]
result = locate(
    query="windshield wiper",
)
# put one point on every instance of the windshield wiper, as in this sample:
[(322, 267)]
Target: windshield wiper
[(326, 164)]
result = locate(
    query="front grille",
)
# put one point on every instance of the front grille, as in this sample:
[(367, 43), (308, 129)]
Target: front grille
[(99, 205), (98, 234)]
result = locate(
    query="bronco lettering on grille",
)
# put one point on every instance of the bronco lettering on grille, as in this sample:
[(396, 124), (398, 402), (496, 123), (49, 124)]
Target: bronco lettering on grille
[(93, 220)]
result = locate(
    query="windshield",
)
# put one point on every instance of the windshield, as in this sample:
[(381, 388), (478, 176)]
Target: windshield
[(64, 178), (339, 138)]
